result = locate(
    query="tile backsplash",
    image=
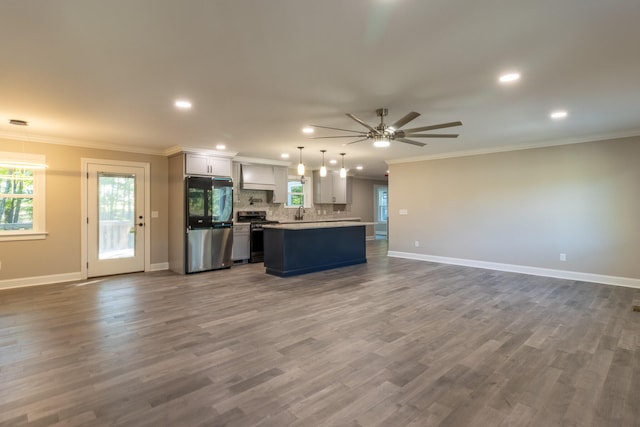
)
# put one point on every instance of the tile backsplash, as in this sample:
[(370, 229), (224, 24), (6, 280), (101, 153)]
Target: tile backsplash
[(258, 200)]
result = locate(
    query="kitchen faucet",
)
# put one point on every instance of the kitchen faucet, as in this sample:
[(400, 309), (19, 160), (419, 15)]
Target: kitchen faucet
[(300, 214)]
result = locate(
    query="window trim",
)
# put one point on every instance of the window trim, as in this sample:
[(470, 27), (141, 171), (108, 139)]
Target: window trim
[(39, 198), (306, 191)]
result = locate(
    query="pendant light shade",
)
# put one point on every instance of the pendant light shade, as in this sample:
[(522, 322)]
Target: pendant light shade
[(300, 165), (323, 168), (343, 171)]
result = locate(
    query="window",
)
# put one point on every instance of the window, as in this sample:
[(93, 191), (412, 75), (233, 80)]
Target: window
[(21, 197), (298, 193)]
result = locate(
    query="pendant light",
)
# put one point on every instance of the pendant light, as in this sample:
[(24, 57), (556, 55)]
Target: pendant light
[(300, 165), (323, 168), (343, 171)]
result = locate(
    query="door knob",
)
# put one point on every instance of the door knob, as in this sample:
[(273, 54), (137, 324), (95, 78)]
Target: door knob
[(141, 224)]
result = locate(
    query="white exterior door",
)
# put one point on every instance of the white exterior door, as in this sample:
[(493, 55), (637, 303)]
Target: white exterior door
[(116, 220)]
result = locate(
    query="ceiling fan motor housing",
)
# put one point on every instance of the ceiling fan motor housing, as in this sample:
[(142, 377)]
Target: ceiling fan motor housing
[(381, 112)]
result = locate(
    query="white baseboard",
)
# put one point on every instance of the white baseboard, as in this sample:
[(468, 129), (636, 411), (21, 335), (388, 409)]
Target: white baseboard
[(39, 280), (159, 266), (58, 278), (535, 271)]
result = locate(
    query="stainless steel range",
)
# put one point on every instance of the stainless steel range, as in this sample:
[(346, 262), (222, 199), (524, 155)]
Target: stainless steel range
[(256, 234)]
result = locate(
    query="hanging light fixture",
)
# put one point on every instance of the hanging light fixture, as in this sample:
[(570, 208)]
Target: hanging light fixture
[(343, 171), (323, 168), (300, 165)]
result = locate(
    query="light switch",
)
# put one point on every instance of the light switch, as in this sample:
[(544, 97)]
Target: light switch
[(154, 214), (404, 212)]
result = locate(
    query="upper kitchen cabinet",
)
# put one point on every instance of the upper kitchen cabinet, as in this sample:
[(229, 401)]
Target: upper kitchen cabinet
[(200, 164), (280, 192), (331, 189)]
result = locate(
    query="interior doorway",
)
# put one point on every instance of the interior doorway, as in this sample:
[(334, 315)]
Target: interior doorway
[(380, 206)]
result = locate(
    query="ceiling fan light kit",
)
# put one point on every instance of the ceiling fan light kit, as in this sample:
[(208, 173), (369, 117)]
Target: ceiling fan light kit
[(383, 134)]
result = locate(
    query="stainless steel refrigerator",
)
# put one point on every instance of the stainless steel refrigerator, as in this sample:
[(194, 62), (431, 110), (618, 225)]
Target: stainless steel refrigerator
[(209, 216)]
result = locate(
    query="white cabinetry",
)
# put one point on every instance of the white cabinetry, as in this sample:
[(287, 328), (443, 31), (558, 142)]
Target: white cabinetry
[(241, 242), (331, 189), (280, 192), (199, 164)]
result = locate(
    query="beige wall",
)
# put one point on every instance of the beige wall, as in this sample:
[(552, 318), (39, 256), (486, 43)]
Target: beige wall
[(525, 207), (59, 253)]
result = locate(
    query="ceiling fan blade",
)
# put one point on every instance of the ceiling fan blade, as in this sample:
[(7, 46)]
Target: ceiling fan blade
[(433, 135), (327, 127), (336, 136), (432, 127), (351, 116), (408, 141), (406, 119), (353, 142)]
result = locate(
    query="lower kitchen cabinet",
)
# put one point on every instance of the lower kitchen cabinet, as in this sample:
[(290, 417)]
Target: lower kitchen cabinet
[(241, 248)]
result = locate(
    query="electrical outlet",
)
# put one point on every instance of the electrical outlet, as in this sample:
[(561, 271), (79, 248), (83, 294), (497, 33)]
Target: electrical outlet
[(563, 257), (417, 243)]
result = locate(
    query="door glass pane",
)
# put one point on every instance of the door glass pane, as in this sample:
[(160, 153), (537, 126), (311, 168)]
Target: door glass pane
[(116, 207), (382, 205)]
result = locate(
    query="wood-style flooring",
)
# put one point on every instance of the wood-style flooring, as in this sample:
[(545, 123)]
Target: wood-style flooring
[(393, 342)]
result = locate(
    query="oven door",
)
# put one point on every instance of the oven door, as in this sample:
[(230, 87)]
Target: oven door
[(257, 244)]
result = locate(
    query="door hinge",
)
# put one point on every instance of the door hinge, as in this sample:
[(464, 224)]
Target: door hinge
[(87, 220)]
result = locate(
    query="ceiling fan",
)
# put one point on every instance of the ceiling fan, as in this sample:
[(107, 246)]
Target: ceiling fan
[(383, 134)]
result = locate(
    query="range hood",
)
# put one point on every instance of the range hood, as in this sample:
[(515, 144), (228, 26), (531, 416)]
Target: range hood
[(257, 177)]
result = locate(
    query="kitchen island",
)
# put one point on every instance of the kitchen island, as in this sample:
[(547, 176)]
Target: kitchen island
[(299, 248)]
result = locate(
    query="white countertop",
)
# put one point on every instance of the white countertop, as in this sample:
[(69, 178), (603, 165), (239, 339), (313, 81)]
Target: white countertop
[(301, 225), (306, 221)]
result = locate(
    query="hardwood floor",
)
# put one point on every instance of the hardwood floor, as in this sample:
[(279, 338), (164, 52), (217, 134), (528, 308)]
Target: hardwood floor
[(389, 343)]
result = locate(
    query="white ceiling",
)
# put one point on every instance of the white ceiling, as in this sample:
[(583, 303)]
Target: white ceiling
[(106, 73)]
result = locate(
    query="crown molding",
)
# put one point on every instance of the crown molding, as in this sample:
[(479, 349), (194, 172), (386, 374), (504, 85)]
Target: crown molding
[(257, 161), (83, 144), (205, 151)]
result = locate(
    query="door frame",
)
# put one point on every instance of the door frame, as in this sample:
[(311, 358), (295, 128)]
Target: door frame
[(376, 209), (84, 200)]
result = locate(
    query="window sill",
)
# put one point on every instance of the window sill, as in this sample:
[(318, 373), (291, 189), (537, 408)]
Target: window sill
[(27, 235)]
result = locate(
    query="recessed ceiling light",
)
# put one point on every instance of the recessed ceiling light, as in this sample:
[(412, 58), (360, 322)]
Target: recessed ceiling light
[(559, 114), (359, 168), (333, 161), (183, 104), (308, 130), (221, 147), (509, 77), (284, 155)]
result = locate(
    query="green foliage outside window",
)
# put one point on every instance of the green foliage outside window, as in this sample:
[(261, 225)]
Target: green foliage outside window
[(295, 194), (16, 199)]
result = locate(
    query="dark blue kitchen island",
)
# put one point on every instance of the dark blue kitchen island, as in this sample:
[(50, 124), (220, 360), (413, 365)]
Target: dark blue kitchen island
[(292, 249)]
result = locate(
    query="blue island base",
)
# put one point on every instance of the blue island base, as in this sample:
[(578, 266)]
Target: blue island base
[(290, 252)]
